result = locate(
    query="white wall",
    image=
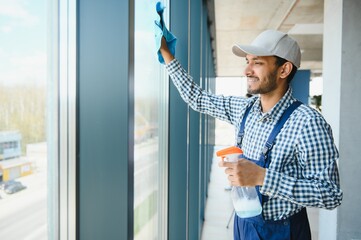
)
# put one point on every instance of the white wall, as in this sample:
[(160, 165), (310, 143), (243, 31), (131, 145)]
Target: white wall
[(341, 100)]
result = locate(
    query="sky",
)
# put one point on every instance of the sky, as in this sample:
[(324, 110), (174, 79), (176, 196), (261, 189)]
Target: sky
[(23, 38)]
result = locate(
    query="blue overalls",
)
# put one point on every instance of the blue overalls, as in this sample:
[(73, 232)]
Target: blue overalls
[(295, 227)]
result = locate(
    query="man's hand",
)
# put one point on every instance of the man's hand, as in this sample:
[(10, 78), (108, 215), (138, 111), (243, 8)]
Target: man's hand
[(167, 56), (244, 173)]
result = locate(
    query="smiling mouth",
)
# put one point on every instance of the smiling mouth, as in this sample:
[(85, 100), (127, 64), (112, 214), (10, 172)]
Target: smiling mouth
[(252, 79)]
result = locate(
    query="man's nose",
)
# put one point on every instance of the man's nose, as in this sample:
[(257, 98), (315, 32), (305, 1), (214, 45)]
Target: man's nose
[(248, 70)]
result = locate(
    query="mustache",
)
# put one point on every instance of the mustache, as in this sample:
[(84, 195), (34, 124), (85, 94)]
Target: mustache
[(252, 78)]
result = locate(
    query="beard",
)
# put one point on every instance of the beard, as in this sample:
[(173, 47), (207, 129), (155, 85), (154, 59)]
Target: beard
[(267, 85)]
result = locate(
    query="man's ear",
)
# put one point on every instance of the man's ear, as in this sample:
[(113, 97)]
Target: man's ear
[(285, 69)]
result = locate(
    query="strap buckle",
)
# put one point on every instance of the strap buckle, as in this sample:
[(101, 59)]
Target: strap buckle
[(268, 146)]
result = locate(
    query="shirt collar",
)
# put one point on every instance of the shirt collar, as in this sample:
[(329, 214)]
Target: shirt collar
[(276, 112)]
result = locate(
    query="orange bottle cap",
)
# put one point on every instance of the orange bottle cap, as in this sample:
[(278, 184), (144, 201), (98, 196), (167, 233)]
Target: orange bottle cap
[(229, 150)]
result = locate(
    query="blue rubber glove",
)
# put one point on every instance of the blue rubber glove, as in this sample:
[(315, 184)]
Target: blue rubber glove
[(160, 31)]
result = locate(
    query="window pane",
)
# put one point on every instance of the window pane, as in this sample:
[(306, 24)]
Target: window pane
[(23, 120), (149, 128)]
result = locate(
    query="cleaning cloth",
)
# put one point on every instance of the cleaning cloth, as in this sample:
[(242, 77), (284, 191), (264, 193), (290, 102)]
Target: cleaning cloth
[(160, 31)]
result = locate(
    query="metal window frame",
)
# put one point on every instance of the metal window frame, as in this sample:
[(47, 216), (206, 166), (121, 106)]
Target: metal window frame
[(67, 49)]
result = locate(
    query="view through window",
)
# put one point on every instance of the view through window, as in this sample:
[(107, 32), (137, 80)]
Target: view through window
[(23, 113), (150, 128)]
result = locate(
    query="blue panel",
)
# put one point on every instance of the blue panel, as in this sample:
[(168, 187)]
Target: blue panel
[(194, 118), (301, 85), (203, 165), (105, 156), (178, 113)]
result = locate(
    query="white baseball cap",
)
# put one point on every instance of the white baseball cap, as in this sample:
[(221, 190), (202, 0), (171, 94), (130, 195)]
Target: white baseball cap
[(271, 43)]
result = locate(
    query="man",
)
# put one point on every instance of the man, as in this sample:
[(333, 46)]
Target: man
[(299, 167)]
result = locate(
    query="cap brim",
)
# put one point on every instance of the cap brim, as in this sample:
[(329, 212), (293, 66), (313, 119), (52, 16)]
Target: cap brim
[(243, 50)]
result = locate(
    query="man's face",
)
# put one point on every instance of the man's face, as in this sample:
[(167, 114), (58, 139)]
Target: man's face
[(261, 74)]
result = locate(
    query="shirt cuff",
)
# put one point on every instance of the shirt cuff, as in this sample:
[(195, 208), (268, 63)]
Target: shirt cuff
[(270, 183)]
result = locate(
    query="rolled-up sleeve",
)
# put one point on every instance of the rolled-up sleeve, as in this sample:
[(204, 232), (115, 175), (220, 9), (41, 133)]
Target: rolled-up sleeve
[(319, 183)]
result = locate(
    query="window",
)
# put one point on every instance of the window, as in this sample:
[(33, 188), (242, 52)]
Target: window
[(150, 129), (23, 120)]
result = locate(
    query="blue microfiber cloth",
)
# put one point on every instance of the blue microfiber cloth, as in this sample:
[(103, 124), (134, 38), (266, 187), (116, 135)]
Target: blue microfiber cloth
[(160, 31)]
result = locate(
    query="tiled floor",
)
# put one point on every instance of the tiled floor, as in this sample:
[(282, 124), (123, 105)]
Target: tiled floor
[(219, 208)]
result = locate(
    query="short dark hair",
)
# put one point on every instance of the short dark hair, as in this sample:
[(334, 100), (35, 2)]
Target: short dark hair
[(280, 61)]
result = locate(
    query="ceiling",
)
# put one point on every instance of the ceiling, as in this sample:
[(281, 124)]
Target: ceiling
[(240, 21)]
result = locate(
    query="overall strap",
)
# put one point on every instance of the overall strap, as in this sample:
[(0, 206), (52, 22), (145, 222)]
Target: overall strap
[(270, 142), (263, 161), (243, 124), (277, 128)]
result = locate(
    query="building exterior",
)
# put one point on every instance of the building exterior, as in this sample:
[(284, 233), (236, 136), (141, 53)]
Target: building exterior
[(10, 145), (12, 165)]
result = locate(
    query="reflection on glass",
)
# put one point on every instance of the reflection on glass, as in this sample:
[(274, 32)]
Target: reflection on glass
[(148, 126), (23, 149)]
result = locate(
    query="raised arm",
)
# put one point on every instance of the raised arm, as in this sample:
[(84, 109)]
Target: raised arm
[(168, 57)]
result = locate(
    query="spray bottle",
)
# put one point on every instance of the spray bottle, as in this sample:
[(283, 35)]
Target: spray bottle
[(245, 199)]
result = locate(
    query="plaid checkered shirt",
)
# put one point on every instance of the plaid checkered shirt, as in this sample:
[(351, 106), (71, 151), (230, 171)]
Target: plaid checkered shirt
[(303, 169)]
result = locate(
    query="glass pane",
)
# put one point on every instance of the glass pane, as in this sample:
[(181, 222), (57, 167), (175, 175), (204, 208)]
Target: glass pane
[(149, 126), (23, 113)]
